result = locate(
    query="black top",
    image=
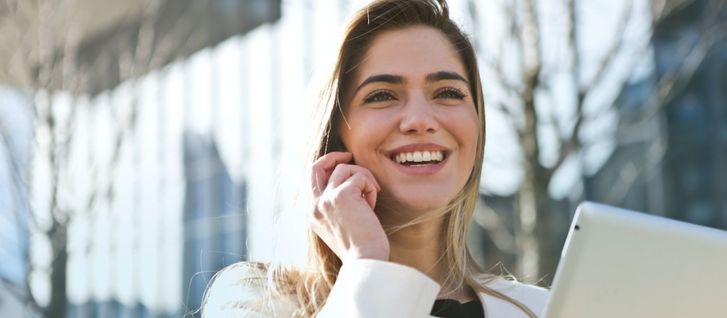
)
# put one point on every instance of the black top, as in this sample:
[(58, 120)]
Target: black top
[(450, 308)]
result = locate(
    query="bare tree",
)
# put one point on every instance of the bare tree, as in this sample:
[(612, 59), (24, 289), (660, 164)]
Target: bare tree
[(45, 62), (532, 100), (80, 49)]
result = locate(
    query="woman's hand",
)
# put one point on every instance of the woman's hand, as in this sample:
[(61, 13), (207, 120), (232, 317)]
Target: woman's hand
[(343, 216)]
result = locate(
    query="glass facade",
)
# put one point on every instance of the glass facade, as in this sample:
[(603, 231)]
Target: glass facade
[(694, 163), (677, 158)]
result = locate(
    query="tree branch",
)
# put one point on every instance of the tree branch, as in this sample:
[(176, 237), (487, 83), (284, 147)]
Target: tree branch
[(663, 8), (28, 299), (531, 73), (490, 220), (496, 64), (673, 82), (532, 54), (612, 53), (569, 142), (504, 109), (19, 184), (629, 174)]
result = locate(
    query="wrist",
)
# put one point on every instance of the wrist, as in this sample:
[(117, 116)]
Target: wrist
[(375, 254)]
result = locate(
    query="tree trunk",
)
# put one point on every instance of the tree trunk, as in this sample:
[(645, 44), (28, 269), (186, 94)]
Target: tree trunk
[(532, 198), (533, 207), (58, 305), (528, 251)]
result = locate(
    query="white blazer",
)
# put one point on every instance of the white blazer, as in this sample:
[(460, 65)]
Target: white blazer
[(363, 289)]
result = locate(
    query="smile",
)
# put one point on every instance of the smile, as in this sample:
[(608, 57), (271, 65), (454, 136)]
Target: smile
[(419, 157)]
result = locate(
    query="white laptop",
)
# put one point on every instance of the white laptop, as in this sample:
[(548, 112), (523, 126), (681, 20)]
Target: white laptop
[(619, 263)]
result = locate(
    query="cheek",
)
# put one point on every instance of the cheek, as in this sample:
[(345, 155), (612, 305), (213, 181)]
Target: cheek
[(467, 129), (467, 132), (359, 139), (364, 131)]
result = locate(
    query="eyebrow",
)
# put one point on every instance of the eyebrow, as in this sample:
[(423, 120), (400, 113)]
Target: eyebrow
[(396, 79), (386, 78), (445, 75)]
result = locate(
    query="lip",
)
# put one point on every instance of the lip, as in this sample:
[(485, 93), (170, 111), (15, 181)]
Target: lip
[(419, 170), (417, 147)]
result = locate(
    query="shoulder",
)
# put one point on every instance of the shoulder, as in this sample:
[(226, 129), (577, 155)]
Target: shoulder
[(525, 293), (242, 290), (532, 296)]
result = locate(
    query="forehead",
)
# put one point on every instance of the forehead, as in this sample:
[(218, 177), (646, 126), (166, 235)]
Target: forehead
[(410, 52)]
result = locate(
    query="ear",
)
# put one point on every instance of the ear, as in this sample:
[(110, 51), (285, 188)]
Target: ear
[(335, 138), (338, 145)]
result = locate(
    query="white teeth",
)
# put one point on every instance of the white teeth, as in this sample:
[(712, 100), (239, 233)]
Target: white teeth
[(420, 156)]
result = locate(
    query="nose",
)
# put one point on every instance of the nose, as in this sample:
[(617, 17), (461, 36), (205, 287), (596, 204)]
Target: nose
[(418, 117)]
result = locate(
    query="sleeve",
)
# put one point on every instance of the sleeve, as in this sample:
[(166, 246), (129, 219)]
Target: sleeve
[(370, 288), (239, 291), (533, 297)]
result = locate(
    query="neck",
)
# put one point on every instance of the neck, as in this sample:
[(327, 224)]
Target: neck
[(421, 246)]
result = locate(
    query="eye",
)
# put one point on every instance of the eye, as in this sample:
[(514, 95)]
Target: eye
[(450, 93), (379, 96)]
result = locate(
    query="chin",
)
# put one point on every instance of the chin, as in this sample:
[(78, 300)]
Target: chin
[(422, 201)]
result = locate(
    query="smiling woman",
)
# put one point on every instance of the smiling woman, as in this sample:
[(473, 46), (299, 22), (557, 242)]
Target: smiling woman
[(395, 180), (413, 101)]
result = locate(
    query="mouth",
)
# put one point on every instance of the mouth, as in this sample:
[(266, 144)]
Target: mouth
[(419, 155), (419, 158)]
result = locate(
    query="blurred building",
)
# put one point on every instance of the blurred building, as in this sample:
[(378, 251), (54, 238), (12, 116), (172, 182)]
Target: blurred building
[(190, 209), (674, 162), (214, 218), (157, 209), (15, 151), (696, 118)]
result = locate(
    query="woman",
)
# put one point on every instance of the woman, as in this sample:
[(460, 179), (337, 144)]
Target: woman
[(395, 181)]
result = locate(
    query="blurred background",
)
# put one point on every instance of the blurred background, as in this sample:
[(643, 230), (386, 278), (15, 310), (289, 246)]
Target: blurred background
[(145, 144)]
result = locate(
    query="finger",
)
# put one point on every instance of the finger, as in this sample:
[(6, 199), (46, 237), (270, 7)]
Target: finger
[(363, 187), (370, 197), (344, 171), (324, 166)]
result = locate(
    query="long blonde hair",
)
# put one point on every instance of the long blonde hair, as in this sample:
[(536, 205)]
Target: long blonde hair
[(310, 286)]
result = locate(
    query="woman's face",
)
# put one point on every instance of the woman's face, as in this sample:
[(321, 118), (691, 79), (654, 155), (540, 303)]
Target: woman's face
[(410, 118)]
